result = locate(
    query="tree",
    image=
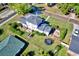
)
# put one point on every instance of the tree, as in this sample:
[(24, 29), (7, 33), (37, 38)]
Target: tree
[(30, 53), (77, 10), (64, 7), (21, 8), (43, 53), (1, 31)]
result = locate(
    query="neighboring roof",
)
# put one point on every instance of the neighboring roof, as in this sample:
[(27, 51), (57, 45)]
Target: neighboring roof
[(10, 46), (31, 18), (74, 46)]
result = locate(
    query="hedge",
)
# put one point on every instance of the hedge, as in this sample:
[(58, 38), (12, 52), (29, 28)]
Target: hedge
[(63, 33), (1, 31)]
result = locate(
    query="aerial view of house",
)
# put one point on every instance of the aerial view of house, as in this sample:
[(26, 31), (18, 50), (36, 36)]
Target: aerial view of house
[(39, 29)]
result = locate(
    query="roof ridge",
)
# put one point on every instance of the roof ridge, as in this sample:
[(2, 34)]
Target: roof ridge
[(7, 40)]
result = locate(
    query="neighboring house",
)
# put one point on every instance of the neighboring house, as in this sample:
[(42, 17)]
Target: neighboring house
[(36, 23), (74, 44), (11, 46)]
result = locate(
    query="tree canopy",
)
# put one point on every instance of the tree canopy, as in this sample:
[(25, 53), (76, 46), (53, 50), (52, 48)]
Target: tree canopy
[(21, 8), (64, 7), (1, 31)]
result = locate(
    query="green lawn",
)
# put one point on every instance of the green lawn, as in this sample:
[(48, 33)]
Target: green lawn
[(62, 52), (36, 43)]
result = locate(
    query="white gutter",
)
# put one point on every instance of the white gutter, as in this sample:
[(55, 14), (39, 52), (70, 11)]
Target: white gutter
[(47, 18)]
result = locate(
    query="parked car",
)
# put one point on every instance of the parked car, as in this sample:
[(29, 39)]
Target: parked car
[(76, 32), (51, 4)]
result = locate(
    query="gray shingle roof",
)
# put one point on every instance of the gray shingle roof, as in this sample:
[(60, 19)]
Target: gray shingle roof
[(11, 46), (42, 27), (47, 29), (74, 46), (36, 20)]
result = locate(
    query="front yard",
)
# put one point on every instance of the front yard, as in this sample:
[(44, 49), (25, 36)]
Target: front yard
[(36, 43)]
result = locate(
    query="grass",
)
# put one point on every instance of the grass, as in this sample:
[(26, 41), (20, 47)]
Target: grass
[(36, 43), (62, 52)]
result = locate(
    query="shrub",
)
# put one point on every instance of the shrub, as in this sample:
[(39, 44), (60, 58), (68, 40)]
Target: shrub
[(63, 33), (51, 53), (43, 52), (58, 48), (64, 7), (21, 8), (15, 29), (1, 31), (30, 53)]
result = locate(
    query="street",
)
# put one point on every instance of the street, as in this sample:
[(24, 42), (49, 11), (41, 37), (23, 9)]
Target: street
[(8, 15)]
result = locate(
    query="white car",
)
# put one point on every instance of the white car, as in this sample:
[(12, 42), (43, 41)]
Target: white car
[(76, 32)]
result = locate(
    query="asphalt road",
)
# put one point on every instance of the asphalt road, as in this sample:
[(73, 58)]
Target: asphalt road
[(7, 18)]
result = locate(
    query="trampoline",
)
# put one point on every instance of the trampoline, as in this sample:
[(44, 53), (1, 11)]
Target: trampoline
[(48, 41)]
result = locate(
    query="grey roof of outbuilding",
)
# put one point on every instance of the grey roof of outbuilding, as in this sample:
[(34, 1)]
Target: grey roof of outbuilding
[(42, 27), (10, 46), (74, 45), (47, 29), (31, 18)]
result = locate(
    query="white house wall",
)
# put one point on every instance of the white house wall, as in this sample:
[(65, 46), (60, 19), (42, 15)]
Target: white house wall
[(31, 26)]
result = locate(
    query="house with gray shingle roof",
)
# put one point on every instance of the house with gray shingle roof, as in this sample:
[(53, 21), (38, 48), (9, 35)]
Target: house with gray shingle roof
[(36, 23)]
